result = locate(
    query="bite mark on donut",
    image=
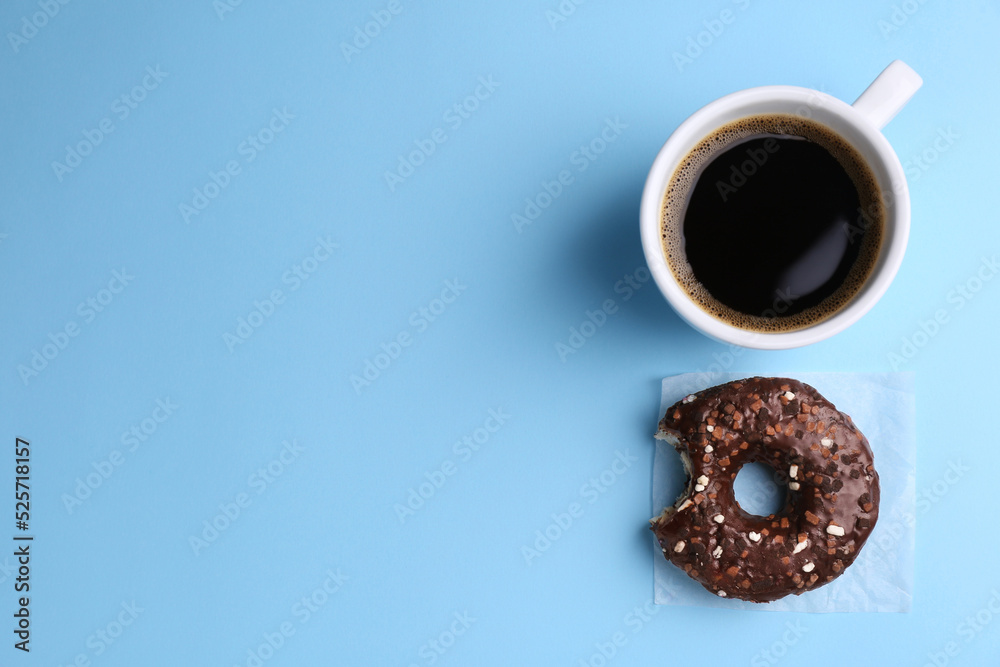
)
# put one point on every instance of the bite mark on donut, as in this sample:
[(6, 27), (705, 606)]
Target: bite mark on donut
[(683, 500)]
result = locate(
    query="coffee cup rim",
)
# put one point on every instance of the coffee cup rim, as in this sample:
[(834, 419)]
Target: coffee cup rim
[(874, 148)]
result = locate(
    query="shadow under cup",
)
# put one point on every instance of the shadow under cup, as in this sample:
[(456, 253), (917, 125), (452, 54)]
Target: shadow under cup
[(836, 117)]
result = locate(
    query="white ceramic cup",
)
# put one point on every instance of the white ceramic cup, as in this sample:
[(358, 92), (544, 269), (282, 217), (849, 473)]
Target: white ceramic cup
[(860, 124)]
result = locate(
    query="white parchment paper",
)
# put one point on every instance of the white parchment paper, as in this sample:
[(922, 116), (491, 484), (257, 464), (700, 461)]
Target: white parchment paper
[(881, 579)]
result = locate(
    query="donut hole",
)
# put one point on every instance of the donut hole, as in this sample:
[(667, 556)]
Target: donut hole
[(759, 491)]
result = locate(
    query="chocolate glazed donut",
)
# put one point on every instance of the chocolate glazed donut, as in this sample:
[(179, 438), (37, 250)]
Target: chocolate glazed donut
[(832, 500)]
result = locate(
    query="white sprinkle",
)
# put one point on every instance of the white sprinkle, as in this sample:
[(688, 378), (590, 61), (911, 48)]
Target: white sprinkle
[(702, 480), (808, 567), (718, 518), (686, 504), (709, 449), (800, 546), (679, 547), (754, 537), (688, 398), (717, 552), (789, 395), (664, 550), (794, 486), (709, 428), (826, 442), (793, 471), (722, 594), (834, 529), (699, 487)]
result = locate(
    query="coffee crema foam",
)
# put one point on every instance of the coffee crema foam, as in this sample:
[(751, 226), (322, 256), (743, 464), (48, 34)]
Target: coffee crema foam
[(869, 224)]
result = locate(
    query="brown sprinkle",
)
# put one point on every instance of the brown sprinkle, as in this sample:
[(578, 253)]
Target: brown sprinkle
[(865, 502)]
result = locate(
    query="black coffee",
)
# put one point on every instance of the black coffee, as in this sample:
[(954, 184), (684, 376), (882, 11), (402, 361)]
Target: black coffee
[(772, 223)]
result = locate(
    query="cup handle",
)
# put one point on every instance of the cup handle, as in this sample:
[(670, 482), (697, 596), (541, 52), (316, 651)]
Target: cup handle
[(888, 93)]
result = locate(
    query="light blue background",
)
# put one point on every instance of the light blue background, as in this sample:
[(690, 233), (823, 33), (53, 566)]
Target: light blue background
[(332, 507)]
